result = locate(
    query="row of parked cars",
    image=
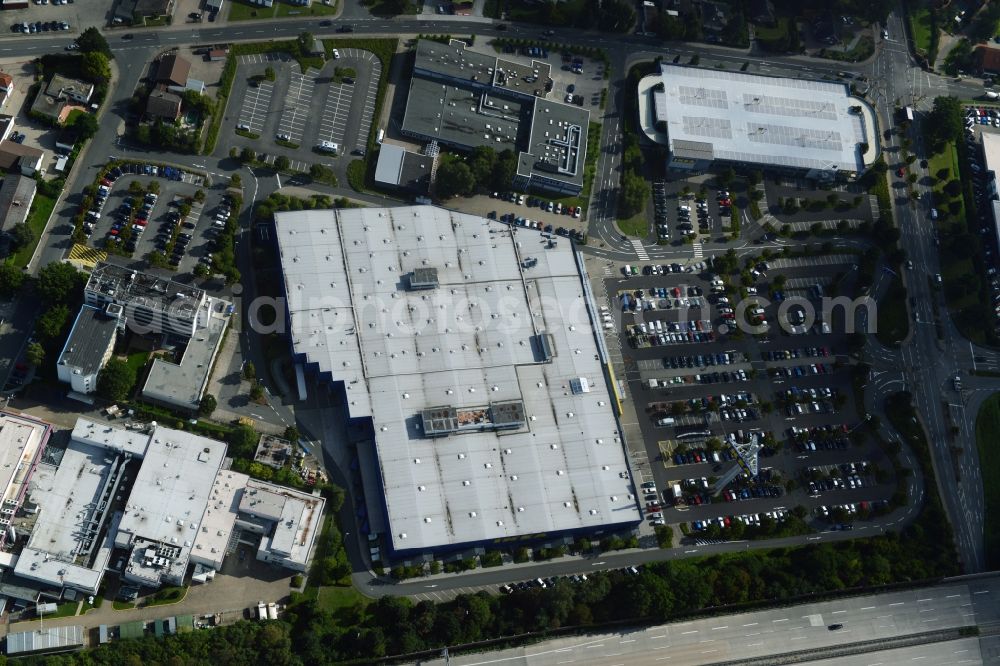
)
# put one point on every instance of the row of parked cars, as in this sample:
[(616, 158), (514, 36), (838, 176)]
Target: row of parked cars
[(40, 26), (703, 360), (799, 352), (748, 519)]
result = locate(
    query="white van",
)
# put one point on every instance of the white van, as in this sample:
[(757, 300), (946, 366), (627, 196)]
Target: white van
[(627, 270), (665, 421)]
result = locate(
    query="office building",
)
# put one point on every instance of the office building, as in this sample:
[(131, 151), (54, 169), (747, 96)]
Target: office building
[(463, 100), (88, 347)]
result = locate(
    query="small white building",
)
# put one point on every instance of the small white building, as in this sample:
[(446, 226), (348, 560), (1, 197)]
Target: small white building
[(88, 347)]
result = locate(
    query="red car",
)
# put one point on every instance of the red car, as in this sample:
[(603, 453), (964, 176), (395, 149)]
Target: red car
[(725, 202), (900, 172), (113, 232), (141, 223)]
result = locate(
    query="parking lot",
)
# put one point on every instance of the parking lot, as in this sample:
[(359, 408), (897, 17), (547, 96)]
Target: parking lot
[(138, 222), (700, 389), (253, 111), (297, 111)]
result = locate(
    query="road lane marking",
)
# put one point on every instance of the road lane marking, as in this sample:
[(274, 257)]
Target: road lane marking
[(595, 646), (726, 626), (784, 619), (868, 608), (685, 633), (630, 640), (897, 603), (751, 624), (840, 611)]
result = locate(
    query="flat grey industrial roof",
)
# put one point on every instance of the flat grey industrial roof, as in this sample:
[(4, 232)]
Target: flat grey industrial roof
[(20, 437), (182, 384), (88, 340), (509, 322), (456, 61), (557, 146), (146, 290), (16, 195), (403, 168), (464, 116), (173, 487), (761, 119), (991, 150), (67, 498)]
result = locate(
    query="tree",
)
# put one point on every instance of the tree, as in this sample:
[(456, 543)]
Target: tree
[(207, 405), (635, 192), (454, 178), (35, 353), (256, 391), (21, 235), (249, 371), (52, 322), (248, 155), (59, 282), (115, 381), (11, 279), (281, 163), (95, 67), (85, 124), (199, 196), (243, 441), (944, 122), (292, 433), (269, 74), (92, 41), (306, 42), (504, 170)]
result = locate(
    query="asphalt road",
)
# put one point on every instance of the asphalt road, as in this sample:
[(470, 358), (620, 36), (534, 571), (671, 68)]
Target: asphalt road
[(773, 632)]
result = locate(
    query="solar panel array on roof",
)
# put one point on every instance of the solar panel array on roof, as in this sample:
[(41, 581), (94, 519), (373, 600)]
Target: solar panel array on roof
[(789, 106), (716, 128), (760, 119)]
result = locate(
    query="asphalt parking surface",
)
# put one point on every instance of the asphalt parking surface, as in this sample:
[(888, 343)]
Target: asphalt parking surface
[(765, 382), (304, 108)]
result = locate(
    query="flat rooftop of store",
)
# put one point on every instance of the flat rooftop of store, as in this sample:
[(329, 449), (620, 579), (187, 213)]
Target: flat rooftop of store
[(752, 118), (137, 288), (464, 116), (498, 356)]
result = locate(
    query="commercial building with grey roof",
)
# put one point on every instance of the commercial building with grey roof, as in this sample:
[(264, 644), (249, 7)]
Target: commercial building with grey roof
[(483, 383), (708, 116), (184, 317), (88, 347), (463, 99), (398, 167)]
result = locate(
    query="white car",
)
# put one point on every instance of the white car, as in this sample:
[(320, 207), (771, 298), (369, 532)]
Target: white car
[(336, 54)]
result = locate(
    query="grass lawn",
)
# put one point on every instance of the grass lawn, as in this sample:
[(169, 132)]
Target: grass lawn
[(242, 11), (766, 33), (123, 605), (637, 225), (167, 595), (893, 324), (136, 361), (66, 609), (920, 26), (987, 425), (337, 599), (41, 209)]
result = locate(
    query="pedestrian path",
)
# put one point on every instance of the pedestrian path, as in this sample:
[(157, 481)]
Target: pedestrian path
[(640, 251)]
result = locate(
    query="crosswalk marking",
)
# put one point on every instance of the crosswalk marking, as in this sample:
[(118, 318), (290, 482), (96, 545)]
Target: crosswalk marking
[(698, 250), (640, 251)]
